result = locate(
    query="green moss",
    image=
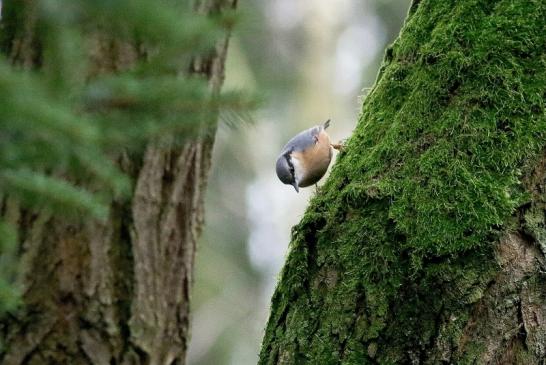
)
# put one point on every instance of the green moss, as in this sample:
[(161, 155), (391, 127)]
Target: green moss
[(473, 352), (430, 178), (535, 225)]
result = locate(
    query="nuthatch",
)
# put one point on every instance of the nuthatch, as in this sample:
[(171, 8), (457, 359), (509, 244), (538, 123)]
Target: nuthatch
[(305, 158)]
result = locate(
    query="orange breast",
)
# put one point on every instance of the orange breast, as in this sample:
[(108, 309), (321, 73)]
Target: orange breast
[(314, 160)]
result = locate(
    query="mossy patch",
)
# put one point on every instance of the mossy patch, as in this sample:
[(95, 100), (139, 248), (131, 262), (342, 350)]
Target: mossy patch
[(429, 179)]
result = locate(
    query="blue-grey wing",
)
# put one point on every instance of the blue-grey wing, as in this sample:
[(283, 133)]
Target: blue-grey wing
[(303, 140)]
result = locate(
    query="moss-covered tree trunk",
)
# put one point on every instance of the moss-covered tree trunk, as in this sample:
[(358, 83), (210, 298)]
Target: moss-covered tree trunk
[(426, 244), (115, 292)]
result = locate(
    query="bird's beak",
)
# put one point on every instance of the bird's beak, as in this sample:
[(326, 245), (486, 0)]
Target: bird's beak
[(295, 185)]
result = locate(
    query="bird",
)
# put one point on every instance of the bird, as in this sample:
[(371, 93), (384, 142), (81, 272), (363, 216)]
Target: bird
[(304, 160)]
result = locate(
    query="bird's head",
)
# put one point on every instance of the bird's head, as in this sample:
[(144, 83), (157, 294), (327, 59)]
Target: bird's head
[(285, 170)]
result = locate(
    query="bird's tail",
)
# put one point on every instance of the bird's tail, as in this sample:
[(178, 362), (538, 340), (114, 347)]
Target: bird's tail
[(326, 124)]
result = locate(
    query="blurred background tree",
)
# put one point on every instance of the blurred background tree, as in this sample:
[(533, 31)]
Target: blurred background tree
[(107, 123), (311, 59)]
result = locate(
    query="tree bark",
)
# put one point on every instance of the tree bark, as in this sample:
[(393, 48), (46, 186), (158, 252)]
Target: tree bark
[(115, 292), (426, 244)]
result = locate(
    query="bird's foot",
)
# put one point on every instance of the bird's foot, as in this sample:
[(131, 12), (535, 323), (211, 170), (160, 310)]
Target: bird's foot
[(338, 146)]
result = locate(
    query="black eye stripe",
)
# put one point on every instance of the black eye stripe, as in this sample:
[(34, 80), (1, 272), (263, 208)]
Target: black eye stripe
[(290, 164)]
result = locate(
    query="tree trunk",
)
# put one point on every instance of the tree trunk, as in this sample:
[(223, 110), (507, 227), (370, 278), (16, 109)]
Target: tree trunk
[(117, 292), (426, 244)]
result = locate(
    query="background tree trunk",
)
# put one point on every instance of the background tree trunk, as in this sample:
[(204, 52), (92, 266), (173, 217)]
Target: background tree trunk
[(426, 244), (118, 292)]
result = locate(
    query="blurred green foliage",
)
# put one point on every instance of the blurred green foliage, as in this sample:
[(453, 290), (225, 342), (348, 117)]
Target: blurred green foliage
[(64, 120)]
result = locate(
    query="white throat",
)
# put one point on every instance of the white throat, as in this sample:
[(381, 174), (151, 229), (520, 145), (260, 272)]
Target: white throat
[(298, 169)]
